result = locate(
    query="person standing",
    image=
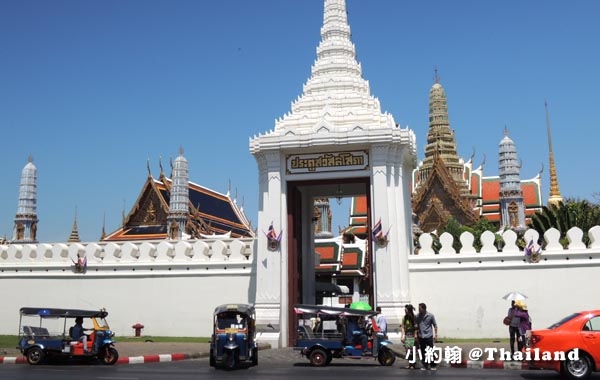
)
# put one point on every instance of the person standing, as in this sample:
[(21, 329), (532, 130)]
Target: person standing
[(427, 331), (407, 334), (524, 321), (381, 321), (513, 329)]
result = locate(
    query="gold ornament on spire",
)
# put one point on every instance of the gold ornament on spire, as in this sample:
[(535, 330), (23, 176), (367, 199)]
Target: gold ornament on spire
[(555, 197)]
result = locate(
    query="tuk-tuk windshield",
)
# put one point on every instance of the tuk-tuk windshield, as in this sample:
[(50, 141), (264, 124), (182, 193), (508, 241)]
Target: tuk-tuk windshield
[(231, 320), (101, 323)]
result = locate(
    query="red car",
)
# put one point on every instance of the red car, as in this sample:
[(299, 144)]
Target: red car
[(571, 346)]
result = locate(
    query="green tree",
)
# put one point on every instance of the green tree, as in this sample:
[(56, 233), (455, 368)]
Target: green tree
[(566, 215), (454, 228)]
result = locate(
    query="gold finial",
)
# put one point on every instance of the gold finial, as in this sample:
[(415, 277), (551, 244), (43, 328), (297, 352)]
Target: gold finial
[(74, 236), (555, 197), (103, 232), (160, 166), (148, 167), (436, 77), (123, 214)]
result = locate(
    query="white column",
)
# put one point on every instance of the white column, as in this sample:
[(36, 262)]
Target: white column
[(270, 274), (380, 209), (391, 202)]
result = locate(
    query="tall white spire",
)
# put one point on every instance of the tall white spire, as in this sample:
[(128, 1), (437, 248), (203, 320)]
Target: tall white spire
[(26, 220), (512, 208), (336, 92), (180, 198)]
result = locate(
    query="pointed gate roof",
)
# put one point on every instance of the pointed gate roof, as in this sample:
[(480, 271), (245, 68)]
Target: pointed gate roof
[(336, 105)]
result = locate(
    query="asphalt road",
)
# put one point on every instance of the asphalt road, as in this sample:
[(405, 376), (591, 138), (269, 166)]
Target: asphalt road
[(273, 364), (194, 369)]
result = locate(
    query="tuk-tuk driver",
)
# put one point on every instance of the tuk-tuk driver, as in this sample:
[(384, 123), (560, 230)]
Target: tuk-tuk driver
[(355, 333), (78, 333), (227, 320)]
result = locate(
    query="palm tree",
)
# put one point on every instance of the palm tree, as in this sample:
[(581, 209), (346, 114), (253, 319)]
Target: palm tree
[(564, 216)]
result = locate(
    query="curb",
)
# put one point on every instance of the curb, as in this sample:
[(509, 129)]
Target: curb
[(491, 364), (153, 358), (12, 360), (126, 360)]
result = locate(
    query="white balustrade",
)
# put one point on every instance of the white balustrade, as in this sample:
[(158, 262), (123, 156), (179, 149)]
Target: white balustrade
[(202, 251), (30, 252), (222, 253), (60, 252), (165, 249), (124, 258), (130, 252), (183, 251)]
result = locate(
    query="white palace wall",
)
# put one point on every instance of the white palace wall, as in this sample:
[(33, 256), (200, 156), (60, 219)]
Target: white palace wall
[(172, 288), (464, 290)]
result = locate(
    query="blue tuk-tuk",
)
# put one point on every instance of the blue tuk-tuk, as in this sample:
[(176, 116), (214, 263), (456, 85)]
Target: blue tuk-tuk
[(324, 333), (233, 342), (45, 333)]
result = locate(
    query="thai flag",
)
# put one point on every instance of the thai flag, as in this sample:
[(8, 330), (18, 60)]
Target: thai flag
[(271, 234), (81, 263), (529, 248), (377, 230)]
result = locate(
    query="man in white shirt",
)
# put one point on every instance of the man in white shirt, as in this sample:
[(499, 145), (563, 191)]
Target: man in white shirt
[(381, 321)]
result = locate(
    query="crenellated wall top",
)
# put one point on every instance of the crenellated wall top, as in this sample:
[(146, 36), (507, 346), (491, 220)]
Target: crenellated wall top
[(507, 253), (203, 254)]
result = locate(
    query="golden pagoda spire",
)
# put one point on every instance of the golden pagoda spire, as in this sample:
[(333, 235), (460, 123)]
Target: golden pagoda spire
[(74, 237), (555, 197), (103, 233)]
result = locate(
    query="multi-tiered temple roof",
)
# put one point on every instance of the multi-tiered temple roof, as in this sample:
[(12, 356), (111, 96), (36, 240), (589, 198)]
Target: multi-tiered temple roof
[(210, 213)]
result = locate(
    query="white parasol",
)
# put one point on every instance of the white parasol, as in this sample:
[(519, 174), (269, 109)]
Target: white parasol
[(515, 296)]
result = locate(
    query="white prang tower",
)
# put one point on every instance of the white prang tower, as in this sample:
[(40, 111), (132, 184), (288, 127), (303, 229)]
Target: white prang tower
[(26, 220), (180, 199)]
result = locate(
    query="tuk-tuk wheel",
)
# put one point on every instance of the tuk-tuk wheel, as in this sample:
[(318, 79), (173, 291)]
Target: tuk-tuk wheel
[(329, 359), (35, 355), (212, 362), (318, 357), (255, 356), (111, 356), (386, 357), (231, 359)]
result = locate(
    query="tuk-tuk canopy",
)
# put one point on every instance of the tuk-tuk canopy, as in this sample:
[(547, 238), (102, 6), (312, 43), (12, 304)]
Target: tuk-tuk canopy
[(241, 308), (331, 310), (47, 312)]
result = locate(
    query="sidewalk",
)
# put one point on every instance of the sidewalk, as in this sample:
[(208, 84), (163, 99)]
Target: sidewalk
[(150, 352)]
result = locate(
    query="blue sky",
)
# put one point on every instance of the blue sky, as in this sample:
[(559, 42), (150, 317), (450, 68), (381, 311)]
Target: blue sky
[(93, 89)]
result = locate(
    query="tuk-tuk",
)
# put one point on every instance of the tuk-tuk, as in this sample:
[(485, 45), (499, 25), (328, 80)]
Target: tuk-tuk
[(44, 333), (325, 332), (233, 341)]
